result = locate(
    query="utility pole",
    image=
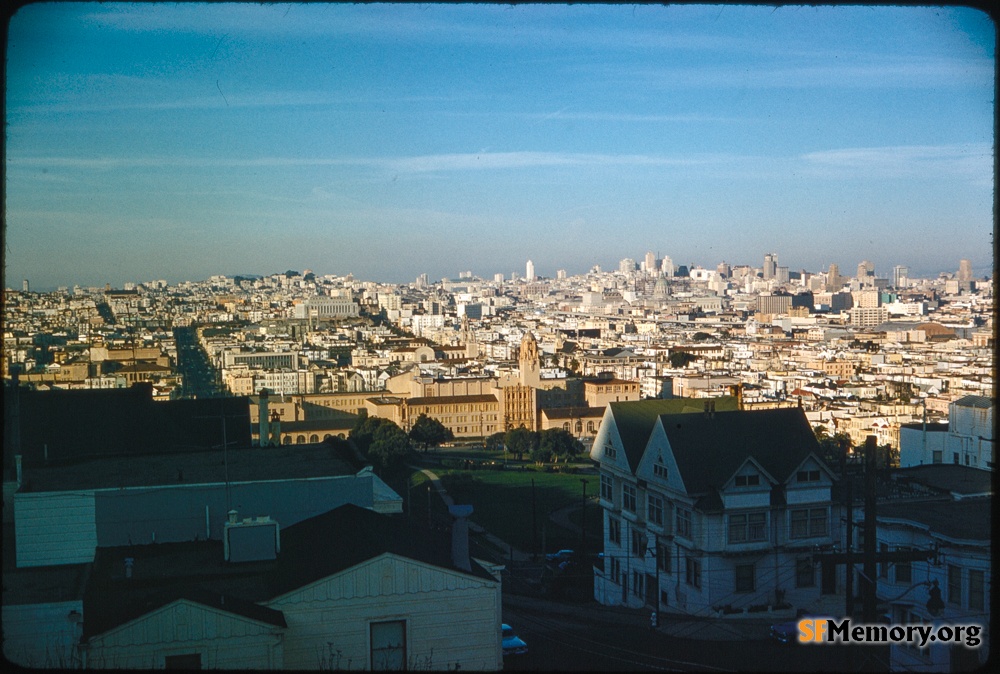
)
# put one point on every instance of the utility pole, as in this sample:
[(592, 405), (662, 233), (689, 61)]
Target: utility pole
[(869, 585), (870, 557)]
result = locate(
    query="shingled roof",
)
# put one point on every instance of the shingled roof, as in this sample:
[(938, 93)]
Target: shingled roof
[(635, 419), (709, 449)]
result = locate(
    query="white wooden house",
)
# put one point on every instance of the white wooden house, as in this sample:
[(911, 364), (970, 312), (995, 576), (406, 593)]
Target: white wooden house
[(349, 589), (711, 513)]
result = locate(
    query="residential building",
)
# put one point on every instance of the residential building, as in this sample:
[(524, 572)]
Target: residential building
[(711, 512)]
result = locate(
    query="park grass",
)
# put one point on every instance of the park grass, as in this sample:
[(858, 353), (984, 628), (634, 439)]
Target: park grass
[(502, 504)]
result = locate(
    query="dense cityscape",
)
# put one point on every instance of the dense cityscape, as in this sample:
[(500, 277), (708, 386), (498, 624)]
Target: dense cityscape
[(472, 336), (555, 378)]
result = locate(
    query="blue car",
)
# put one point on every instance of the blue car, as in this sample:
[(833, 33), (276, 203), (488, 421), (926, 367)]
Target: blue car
[(512, 644)]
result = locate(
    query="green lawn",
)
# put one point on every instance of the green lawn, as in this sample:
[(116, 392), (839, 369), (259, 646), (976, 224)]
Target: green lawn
[(502, 504)]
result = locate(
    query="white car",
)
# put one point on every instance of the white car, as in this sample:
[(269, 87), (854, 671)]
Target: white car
[(512, 644)]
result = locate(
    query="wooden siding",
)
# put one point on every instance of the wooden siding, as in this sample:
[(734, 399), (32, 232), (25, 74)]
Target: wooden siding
[(55, 528), (224, 640), (328, 621)]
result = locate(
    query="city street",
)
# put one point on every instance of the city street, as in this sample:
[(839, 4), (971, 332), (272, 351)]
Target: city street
[(589, 637)]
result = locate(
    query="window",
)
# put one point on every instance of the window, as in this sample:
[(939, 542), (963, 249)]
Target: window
[(745, 578), (186, 661), (663, 557), (748, 527), (692, 571), (977, 590), (808, 523), (607, 490), (615, 531), (805, 575), (684, 523), (638, 583), (388, 645), (807, 476), (937, 456), (655, 509), (747, 480), (628, 497), (616, 569), (659, 470), (610, 451), (954, 585)]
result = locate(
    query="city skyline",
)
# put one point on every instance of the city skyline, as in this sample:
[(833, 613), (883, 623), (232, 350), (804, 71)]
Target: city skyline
[(182, 141)]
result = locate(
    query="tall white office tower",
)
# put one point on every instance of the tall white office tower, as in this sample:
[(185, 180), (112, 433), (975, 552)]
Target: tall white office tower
[(770, 266), (900, 276), (667, 266), (650, 262), (964, 270), (529, 271), (561, 274)]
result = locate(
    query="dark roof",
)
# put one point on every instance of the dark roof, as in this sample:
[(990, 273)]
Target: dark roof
[(74, 424), (708, 450), (449, 400), (635, 419), (311, 550), (967, 520), (246, 464), (982, 402), (949, 477), (573, 412)]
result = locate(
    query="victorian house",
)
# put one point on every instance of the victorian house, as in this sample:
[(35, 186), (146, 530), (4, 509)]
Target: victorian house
[(709, 510)]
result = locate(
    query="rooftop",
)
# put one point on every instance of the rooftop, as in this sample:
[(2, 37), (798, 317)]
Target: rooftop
[(245, 465)]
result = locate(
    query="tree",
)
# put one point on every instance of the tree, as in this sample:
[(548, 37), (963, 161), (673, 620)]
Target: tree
[(560, 443), (364, 431), (541, 454), (494, 443), (388, 448), (520, 441), (680, 358), (701, 336), (428, 431)]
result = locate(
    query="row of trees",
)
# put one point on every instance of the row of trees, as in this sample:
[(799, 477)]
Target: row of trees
[(552, 444), (387, 446)]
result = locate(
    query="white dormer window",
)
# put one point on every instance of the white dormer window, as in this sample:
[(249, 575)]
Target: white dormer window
[(807, 476), (659, 470), (747, 480), (610, 451)]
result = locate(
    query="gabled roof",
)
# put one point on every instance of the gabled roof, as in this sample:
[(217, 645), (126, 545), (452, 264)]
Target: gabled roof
[(349, 535), (635, 419), (708, 450), (311, 550)]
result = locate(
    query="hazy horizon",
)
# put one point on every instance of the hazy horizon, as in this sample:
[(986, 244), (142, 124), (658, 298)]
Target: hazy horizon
[(179, 141)]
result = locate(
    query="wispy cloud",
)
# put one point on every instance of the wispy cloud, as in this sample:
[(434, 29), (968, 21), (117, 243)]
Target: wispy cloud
[(973, 160)]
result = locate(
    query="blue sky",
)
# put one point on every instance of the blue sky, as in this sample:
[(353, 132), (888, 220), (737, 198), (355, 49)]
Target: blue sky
[(177, 141)]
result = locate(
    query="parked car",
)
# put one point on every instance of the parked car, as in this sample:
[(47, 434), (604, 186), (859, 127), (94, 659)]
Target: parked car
[(512, 644), (560, 556), (788, 631)]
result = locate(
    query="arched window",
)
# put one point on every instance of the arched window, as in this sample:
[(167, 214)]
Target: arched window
[(579, 426), (300, 439), (326, 436), (286, 440), (566, 427), (590, 426), (313, 438)]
